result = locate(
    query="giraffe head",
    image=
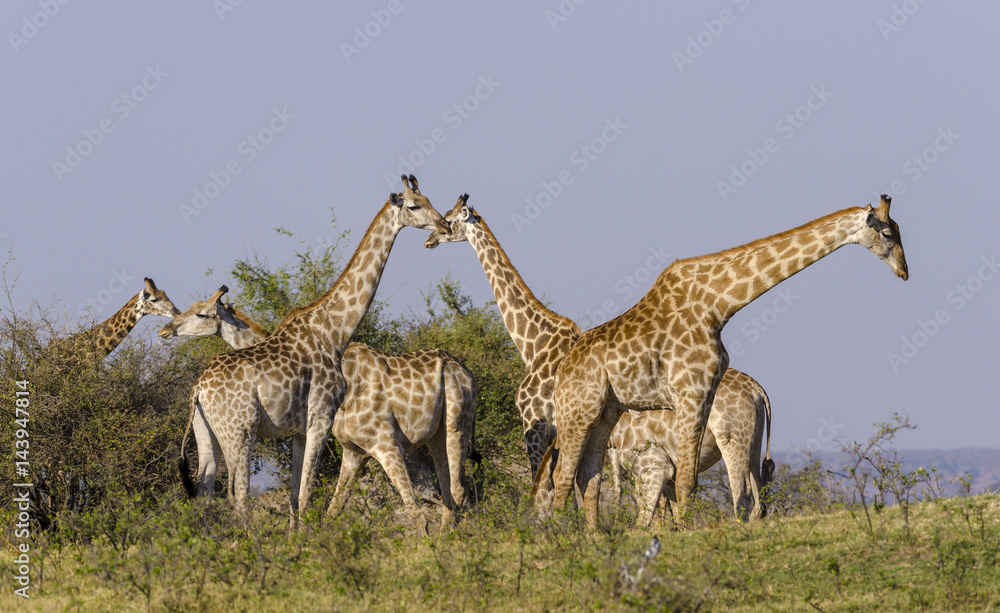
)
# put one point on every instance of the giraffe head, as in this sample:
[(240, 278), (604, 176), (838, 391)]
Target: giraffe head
[(204, 318), (414, 209), (460, 217), (880, 235), (152, 301)]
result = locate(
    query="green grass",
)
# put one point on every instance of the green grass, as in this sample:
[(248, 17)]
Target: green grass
[(172, 555)]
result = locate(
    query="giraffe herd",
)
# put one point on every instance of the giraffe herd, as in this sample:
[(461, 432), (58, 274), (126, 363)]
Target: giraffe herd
[(652, 385)]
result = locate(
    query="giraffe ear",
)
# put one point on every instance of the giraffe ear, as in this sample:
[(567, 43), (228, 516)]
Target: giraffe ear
[(407, 190), (882, 212), (395, 199), (217, 296)]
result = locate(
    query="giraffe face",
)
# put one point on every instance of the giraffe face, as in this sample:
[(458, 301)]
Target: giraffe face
[(415, 210), (203, 318), (153, 301), (460, 218), (880, 235)]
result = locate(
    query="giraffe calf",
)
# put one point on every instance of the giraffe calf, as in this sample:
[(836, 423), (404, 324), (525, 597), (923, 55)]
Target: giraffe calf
[(398, 403), (646, 444)]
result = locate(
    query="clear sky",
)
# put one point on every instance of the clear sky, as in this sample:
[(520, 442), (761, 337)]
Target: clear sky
[(599, 140)]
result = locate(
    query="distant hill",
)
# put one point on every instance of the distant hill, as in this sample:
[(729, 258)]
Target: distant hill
[(982, 463)]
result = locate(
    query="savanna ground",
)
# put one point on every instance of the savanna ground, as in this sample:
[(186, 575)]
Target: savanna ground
[(167, 554), (111, 529)]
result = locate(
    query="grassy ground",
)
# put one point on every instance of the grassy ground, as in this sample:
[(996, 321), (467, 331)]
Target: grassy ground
[(171, 555)]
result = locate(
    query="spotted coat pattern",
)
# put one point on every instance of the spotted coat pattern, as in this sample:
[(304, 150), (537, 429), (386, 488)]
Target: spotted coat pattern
[(667, 351), (398, 403), (290, 384), (394, 404), (645, 444), (107, 335), (541, 336)]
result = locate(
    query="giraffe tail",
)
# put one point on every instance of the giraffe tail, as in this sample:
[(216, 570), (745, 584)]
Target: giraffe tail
[(767, 467), (182, 464), (543, 476)]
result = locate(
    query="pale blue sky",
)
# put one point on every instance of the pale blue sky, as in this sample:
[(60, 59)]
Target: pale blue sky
[(631, 112)]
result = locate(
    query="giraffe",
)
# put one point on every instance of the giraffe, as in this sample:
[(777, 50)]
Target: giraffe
[(107, 335), (646, 442), (667, 352), (541, 336), (397, 403), (394, 404), (290, 384), (213, 317)]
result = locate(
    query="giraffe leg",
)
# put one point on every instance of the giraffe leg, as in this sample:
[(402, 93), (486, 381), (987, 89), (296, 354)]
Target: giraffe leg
[(652, 469), (325, 395), (298, 450), (756, 483), (209, 453), (239, 472), (438, 446), (614, 458), (354, 459), (537, 437), (460, 423), (391, 459), (588, 477), (579, 409), (314, 439), (692, 409)]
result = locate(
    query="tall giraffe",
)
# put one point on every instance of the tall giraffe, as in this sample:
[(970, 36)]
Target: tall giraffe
[(107, 335), (394, 404), (211, 317), (541, 336), (646, 443), (666, 351), (290, 384)]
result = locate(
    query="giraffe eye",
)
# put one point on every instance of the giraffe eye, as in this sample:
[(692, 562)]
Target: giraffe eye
[(887, 233), (201, 315)]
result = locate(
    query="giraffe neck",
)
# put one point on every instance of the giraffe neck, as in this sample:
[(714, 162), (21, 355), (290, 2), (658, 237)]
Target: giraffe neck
[(524, 316), (733, 278), (240, 337), (112, 331), (338, 313)]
